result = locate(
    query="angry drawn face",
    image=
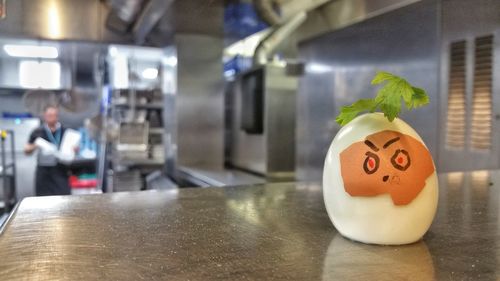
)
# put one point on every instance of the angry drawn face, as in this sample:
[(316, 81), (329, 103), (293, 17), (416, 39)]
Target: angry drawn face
[(386, 162)]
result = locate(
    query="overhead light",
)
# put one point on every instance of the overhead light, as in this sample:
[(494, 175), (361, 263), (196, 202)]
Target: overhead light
[(150, 73), (318, 68), (40, 74), (120, 72), (113, 51), (30, 51)]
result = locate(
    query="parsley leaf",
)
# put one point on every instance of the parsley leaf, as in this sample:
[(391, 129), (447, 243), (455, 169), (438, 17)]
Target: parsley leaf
[(350, 112), (388, 99), (382, 76), (419, 97)]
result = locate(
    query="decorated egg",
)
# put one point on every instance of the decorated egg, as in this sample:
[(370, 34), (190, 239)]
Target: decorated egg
[(379, 181)]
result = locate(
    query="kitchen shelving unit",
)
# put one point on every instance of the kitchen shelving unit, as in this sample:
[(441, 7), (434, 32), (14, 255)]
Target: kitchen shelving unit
[(8, 171), (139, 150)]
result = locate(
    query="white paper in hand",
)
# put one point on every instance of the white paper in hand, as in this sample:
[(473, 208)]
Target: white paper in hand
[(46, 147), (70, 140)]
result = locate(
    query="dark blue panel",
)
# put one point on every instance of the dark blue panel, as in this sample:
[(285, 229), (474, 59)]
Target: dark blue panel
[(241, 20)]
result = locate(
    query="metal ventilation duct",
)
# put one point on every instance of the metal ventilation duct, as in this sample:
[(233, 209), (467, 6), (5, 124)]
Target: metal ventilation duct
[(126, 10), (148, 19), (55, 19), (279, 34), (114, 21), (276, 12), (122, 15), (338, 14)]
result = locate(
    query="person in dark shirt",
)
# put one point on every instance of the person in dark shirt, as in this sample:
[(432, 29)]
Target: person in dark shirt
[(51, 177)]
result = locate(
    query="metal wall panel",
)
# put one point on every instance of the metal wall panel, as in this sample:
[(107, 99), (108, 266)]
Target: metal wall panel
[(341, 64), (467, 20), (169, 88), (248, 151), (271, 153), (200, 100), (55, 19), (281, 112)]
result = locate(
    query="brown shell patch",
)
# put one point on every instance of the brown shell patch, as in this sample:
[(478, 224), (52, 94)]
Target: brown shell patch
[(386, 162)]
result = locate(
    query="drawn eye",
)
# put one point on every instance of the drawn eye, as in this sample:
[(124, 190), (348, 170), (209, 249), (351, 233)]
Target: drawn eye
[(401, 160), (371, 163)]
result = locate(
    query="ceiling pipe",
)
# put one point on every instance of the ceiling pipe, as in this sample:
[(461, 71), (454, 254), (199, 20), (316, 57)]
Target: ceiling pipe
[(127, 10), (293, 7), (148, 19), (284, 17), (268, 45), (266, 10)]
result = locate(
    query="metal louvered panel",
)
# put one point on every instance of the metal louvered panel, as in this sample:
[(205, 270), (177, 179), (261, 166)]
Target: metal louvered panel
[(455, 123), (481, 121)]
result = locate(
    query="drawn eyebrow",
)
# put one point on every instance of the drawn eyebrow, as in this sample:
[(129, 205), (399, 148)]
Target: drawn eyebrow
[(386, 145), (371, 145)]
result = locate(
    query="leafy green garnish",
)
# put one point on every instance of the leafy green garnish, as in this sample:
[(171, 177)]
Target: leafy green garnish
[(388, 99)]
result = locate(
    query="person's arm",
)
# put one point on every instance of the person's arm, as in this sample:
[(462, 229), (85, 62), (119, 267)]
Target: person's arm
[(30, 147)]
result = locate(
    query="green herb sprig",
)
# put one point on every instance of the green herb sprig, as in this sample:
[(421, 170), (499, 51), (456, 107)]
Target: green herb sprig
[(388, 99)]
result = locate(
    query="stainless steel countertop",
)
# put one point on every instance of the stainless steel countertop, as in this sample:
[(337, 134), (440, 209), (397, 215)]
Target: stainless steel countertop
[(274, 231), (210, 176)]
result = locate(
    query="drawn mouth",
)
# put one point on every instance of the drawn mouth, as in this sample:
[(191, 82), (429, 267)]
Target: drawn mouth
[(395, 180)]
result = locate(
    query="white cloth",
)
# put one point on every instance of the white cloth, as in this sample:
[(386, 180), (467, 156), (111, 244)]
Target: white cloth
[(70, 141), (49, 155)]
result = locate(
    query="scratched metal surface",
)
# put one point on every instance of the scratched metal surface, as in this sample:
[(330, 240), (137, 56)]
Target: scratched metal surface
[(274, 231)]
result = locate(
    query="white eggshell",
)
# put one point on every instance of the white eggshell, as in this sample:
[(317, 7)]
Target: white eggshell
[(376, 219)]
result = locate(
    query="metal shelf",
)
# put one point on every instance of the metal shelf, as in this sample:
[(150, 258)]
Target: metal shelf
[(8, 178), (140, 162), (156, 131), (151, 106)]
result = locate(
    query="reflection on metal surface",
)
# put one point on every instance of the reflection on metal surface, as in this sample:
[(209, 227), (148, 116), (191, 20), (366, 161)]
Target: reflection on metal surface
[(480, 179), (56, 19), (245, 209), (43, 203), (349, 260), (455, 180), (53, 20), (249, 207)]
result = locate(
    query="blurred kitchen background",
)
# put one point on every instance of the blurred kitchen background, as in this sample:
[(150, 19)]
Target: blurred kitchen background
[(170, 94)]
